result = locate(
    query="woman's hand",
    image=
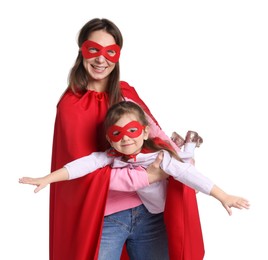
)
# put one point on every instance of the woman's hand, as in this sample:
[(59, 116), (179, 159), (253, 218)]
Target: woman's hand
[(155, 173)]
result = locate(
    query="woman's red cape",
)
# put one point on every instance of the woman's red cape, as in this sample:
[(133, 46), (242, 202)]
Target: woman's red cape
[(77, 206)]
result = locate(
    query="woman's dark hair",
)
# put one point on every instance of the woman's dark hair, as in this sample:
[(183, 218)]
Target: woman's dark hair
[(116, 111), (78, 77)]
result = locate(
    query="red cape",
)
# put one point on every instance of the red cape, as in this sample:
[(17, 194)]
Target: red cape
[(77, 206)]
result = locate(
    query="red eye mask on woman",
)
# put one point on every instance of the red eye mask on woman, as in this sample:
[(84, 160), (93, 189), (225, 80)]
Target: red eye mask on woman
[(133, 129), (92, 49)]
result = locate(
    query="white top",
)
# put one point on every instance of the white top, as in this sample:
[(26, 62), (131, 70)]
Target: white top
[(154, 195)]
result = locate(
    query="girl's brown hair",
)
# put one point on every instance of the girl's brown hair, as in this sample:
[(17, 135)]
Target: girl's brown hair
[(78, 77), (116, 111)]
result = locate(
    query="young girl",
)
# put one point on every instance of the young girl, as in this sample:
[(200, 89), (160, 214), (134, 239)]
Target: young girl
[(127, 131)]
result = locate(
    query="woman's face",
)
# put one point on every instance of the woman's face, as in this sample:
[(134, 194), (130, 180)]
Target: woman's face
[(99, 67)]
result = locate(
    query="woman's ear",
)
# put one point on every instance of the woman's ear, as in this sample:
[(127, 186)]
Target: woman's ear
[(146, 132)]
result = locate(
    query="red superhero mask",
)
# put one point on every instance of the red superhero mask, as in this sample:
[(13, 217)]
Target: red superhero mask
[(133, 129), (92, 49)]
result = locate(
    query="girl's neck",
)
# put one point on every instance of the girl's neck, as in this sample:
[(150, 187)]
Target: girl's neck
[(129, 156)]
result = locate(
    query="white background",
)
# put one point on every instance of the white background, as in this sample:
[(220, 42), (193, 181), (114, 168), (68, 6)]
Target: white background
[(199, 65)]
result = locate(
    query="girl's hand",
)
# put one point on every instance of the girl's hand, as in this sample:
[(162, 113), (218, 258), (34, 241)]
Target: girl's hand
[(229, 201), (234, 201), (39, 182)]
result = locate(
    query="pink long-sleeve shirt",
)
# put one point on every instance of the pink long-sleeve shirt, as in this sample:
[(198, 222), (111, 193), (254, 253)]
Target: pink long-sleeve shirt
[(130, 188)]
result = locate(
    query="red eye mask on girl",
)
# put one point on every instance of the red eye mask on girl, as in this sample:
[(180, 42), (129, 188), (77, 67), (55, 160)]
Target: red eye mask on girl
[(92, 49), (133, 129)]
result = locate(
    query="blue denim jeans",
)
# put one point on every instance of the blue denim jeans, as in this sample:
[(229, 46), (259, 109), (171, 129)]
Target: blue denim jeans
[(144, 234)]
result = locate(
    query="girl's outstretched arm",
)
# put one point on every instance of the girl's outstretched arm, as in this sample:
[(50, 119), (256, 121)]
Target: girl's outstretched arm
[(58, 175), (228, 201)]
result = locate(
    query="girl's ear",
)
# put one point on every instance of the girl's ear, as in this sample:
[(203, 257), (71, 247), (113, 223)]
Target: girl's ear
[(108, 139), (146, 132)]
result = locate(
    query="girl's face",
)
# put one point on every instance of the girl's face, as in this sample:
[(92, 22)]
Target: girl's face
[(126, 129), (99, 67)]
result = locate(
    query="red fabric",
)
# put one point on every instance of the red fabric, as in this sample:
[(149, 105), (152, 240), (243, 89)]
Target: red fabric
[(182, 219), (100, 50), (77, 206), (182, 222)]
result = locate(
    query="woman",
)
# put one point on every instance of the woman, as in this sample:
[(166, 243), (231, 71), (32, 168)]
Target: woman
[(77, 207)]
